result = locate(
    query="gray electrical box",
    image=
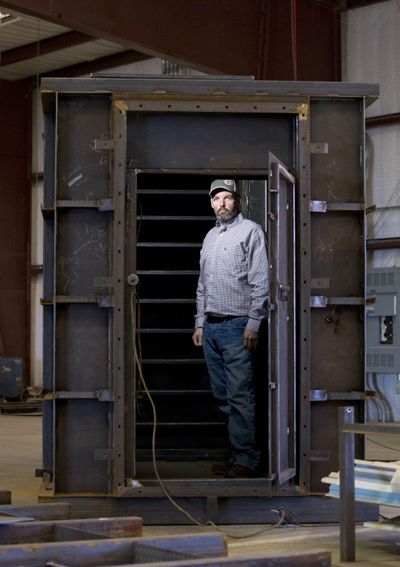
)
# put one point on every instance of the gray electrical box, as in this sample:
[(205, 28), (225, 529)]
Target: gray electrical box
[(383, 321)]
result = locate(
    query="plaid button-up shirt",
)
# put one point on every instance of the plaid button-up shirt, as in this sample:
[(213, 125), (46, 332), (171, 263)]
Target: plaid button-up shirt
[(233, 272)]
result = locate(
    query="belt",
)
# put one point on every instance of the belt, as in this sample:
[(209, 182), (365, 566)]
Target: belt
[(221, 319)]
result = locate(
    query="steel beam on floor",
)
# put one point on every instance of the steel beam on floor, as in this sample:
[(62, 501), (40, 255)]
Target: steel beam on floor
[(70, 530), (257, 510), (115, 551), (49, 511)]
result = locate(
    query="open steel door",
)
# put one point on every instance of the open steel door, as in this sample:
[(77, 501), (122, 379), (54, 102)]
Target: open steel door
[(271, 203)]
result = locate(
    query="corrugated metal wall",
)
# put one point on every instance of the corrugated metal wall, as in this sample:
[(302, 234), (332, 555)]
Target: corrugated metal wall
[(372, 53)]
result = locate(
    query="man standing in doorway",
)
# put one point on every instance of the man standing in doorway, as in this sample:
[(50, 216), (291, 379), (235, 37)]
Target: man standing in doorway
[(231, 299)]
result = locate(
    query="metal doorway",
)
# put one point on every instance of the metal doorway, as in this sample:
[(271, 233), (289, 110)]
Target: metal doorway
[(171, 215)]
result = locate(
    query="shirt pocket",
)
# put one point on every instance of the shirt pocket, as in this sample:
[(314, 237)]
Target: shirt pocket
[(233, 259)]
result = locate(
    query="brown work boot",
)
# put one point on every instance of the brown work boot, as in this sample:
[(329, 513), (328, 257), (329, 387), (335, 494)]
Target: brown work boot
[(239, 471), (221, 468)]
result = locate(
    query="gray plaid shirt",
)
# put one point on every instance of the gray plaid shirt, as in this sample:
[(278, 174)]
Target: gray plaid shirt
[(233, 272)]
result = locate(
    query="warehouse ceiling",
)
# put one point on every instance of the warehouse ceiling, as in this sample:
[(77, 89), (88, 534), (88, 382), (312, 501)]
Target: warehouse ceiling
[(32, 46), (70, 38)]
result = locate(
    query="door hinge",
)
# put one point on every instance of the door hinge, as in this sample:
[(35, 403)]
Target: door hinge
[(284, 292)]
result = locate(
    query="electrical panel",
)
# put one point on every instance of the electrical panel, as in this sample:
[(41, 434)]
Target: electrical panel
[(383, 320)]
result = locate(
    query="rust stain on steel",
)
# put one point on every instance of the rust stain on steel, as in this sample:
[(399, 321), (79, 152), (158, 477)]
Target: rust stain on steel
[(121, 105), (303, 110)]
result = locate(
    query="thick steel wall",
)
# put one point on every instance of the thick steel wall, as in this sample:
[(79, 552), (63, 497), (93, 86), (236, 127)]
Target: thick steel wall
[(96, 147)]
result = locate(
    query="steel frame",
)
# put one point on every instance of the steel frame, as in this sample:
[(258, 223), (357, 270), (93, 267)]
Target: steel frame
[(121, 108), (209, 96)]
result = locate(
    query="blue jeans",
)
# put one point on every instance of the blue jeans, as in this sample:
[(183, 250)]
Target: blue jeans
[(231, 367)]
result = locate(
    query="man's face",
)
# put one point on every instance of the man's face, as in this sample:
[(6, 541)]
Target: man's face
[(224, 206)]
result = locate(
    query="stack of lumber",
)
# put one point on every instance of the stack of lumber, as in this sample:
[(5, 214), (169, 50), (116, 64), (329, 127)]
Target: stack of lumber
[(374, 481)]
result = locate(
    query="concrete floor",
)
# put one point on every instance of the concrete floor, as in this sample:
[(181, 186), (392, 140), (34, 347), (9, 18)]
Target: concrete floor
[(20, 455)]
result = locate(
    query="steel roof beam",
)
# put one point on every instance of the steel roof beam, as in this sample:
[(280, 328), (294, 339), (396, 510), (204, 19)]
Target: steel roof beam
[(99, 64), (211, 35), (43, 47), (232, 37), (94, 66)]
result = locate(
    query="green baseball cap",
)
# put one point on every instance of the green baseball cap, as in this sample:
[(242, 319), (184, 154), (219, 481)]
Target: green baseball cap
[(222, 185)]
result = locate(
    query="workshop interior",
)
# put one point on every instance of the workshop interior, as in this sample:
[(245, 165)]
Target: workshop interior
[(108, 159)]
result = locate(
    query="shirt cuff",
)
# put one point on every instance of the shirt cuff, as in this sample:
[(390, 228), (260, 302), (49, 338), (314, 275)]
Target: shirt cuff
[(253, 325), (199, 322)]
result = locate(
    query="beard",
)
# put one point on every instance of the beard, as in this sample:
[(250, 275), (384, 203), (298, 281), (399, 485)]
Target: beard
[(223, 215)]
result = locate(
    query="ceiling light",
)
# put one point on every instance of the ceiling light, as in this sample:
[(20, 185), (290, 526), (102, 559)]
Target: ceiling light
[(6, 18)]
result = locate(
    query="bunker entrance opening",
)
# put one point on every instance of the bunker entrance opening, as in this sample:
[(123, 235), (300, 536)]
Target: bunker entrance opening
[(170, 215)]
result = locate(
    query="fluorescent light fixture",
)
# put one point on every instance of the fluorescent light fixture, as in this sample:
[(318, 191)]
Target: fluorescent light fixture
[(6, 18)]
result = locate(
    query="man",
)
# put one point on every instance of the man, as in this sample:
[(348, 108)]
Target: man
[(231, 301)]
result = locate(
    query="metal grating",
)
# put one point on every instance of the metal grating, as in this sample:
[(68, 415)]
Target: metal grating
[(379, 279), (380, 360)]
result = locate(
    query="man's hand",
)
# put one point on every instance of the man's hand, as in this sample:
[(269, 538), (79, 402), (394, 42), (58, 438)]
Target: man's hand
[(198, 337), (250, 340)]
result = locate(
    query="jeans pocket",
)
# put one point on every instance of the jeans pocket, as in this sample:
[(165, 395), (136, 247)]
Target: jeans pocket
[(239, 322)]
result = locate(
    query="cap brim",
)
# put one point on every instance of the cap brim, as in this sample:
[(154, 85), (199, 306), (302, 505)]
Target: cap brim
[(219, 188)]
